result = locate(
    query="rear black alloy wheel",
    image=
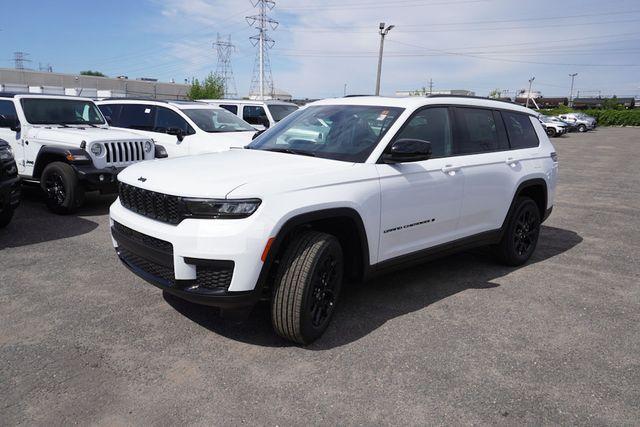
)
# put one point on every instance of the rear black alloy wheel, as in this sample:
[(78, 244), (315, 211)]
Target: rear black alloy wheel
[(307, 287), (551, 132), (521, 235)]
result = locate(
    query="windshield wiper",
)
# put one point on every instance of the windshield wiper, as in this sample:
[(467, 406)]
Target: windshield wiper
[(291, 151)]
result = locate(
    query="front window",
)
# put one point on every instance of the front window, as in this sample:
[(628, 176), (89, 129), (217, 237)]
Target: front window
[(279, 112), (51, 111), (340, 132), (217, 120)]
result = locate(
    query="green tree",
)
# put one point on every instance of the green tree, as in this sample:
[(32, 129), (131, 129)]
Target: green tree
[(496, 93), (211, 88), (92, 73)]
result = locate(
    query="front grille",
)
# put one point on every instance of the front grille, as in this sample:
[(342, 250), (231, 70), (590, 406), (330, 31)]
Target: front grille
[(144, 239), (214, 277), (150, 267), (124, 152), (158, 206)]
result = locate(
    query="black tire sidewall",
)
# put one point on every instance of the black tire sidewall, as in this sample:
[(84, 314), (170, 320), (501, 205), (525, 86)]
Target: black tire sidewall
[(310, 332), (73, 193), (551, 132), (512, 256), (582, 128)]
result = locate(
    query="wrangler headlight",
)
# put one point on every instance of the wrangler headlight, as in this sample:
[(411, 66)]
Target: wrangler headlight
[(96, 149), (148, 146), (221, 208), (6, 153)]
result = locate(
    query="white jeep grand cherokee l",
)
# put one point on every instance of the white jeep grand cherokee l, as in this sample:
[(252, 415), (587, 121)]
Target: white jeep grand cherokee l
[(342, 189)]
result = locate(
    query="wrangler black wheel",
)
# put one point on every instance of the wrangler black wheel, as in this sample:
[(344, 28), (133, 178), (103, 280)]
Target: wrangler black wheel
[(521, 235), (307, 287), (63, 192)]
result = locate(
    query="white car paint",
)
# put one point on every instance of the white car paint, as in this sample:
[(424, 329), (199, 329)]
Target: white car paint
[(457, 196), (200, 142)]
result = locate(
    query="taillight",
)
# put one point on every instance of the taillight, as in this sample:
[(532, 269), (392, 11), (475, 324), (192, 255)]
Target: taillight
[(554, 157)]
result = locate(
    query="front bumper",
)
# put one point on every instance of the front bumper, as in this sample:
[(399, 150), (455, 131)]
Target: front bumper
[(9, 194), (175, 258), (103, 180)]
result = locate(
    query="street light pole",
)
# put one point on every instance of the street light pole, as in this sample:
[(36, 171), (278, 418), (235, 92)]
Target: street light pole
[(529, 93), (383, 32), (571, 92)]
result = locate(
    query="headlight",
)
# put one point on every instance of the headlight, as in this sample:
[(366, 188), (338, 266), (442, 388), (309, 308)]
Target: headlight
[(221, 208), (148, 146), (6, 153), (96, 149)]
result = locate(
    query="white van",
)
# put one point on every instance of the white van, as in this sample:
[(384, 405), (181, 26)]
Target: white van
[(182, 128), (260, 114)]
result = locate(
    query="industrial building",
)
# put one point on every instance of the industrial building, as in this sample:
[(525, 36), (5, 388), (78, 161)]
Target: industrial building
[(15, 80)]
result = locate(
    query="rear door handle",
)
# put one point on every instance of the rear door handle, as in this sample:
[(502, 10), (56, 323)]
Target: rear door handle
[(450, 169)]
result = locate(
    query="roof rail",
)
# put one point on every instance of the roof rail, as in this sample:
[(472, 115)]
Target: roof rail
[(472, 97)]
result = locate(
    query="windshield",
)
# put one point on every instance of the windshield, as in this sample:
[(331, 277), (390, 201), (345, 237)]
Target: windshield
[(51, 111), (217, 120), (279, 112), (340, 132)]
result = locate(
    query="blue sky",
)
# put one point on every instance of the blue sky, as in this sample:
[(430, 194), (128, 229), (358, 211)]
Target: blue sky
[(320, 46)]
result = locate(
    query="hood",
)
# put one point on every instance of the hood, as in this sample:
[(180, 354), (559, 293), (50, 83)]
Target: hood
[(235, 139), (215, 175), (75, 135)]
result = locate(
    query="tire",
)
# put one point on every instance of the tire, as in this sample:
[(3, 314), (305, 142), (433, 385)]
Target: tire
[(521, 235), (307, 287), (63, 192), (582, 128), (5, 217), (551, 132)]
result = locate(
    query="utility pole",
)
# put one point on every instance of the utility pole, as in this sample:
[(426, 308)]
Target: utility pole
[(383, 32), (573, 76), (430, 86), (224, 71), (262, 77), (529, 93), (344, 93)]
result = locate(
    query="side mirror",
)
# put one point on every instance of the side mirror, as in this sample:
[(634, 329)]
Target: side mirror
[(16, 127), (264, 121), (10, 122), (257, 134), (177, 132), (407, 150)]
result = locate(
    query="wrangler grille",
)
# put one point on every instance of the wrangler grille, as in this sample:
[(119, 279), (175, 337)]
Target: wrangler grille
[(124, 152), (158, 206)]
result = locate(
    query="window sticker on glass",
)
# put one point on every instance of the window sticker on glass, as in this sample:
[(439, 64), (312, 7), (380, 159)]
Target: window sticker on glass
[(383, 115), (147, 110)]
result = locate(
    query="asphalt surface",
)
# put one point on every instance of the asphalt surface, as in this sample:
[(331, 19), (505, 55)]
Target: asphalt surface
[(460, 340)]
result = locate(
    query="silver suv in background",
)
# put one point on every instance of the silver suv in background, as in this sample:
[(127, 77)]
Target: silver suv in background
[(260, 114), (581, 121)]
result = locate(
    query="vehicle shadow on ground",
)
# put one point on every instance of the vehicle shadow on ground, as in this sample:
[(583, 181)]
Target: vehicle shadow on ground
[(33, 223), (367, 306)]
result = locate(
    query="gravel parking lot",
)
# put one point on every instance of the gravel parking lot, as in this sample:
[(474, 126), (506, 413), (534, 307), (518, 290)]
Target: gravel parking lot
[(456, 341)]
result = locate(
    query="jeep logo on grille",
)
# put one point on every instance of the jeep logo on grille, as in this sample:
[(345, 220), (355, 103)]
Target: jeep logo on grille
[(142, 179)]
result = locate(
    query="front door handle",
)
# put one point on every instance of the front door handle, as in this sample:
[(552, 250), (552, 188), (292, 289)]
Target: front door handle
[(512, 162), (450, 169)]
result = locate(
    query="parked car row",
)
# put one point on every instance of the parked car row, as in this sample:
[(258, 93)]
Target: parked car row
[(71, 145), (570, 122)]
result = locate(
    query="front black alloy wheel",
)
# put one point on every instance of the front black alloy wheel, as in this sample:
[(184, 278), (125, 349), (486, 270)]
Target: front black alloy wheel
[(63, 192), (307, 287), (521, 235)]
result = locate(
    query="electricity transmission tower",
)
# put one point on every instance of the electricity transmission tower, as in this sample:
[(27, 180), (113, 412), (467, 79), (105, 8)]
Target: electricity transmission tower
[(262, 80), (19, 58), (224, 71)]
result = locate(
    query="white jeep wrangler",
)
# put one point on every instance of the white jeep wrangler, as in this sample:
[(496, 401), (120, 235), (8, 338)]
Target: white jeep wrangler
[(65, 144), (343, 188)]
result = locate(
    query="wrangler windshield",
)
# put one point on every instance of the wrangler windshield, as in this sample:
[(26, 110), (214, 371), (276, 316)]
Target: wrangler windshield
[(51, 111), (340, 132)]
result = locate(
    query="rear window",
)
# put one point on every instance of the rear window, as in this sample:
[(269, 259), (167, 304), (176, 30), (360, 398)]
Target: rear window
[(478, 131), (231, 108), (520, 130)]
